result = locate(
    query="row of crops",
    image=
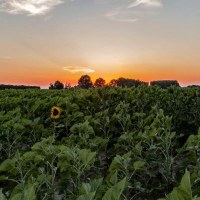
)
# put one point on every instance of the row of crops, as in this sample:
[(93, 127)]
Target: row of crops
[(100, 144)]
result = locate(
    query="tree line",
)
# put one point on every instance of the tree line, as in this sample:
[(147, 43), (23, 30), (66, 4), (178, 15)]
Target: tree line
[(3, 87), (85, 82)]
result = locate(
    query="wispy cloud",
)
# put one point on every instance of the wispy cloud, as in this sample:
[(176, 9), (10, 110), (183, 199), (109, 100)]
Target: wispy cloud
[(150, 3), (121, 16), (128, 11), (78, 69), (29, 7)]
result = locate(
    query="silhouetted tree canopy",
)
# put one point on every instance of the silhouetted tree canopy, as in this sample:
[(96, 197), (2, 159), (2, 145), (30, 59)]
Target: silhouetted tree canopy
[(57, 85), (100, 82), (193, 86), (67, 85), (126, 82), (165, 83), (113, 83), (85, 82)]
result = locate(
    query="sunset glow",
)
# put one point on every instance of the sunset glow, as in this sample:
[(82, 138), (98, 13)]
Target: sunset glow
[(42, 41)]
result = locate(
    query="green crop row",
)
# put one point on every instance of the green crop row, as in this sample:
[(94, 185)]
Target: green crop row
[(104, 144)]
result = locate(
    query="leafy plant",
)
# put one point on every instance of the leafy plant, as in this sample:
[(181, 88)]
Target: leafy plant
[(107, 143), (184, 191)]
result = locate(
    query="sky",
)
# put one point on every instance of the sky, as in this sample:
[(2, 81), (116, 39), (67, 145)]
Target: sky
[(42, 41)]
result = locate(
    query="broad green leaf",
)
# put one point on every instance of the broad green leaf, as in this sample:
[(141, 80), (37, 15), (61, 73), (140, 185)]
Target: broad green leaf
[(82, 129), (89, 196), (183, 192), (115, 191), (186, 185), (116, 163), (26, 122), (86, 188), (39, 146), (29, 192), (7, 165), (120, 162), (16, 192), (138, 165), (26, 193), (28, 156), (86, 156), (38, 159), (18, 196), (95, 184), (67, 153), (112, 178)]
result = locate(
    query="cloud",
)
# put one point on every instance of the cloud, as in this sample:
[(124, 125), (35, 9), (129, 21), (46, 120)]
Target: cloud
[(29, 7), (121, 16), (150, 3), (133, 12), (78, 69)]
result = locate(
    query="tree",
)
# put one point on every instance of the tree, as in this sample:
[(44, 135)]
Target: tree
[(126, 82), (193, 86), (57, 85), (165, 83), (113, 83), (51, 86), (85, 82), (67, 85), (100, 82)]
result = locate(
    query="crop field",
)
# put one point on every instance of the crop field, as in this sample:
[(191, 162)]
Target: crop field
[(100, 144)]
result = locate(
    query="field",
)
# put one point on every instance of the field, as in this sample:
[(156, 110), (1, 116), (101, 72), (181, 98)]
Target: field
[(100, 144)]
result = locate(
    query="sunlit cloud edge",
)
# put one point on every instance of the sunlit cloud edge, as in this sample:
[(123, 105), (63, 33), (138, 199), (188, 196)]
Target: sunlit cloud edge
[(28, 7), (74, 70)]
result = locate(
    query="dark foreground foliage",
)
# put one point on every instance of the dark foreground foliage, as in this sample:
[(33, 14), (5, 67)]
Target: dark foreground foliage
[(4, 87), (108, 144)]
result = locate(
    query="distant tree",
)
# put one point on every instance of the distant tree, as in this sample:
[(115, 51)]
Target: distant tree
[(100, 82), (85, 82), (126, 82), (51, 86), (113, 83), (165, 83), (57, 85), (193, 86), (67, 85)]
